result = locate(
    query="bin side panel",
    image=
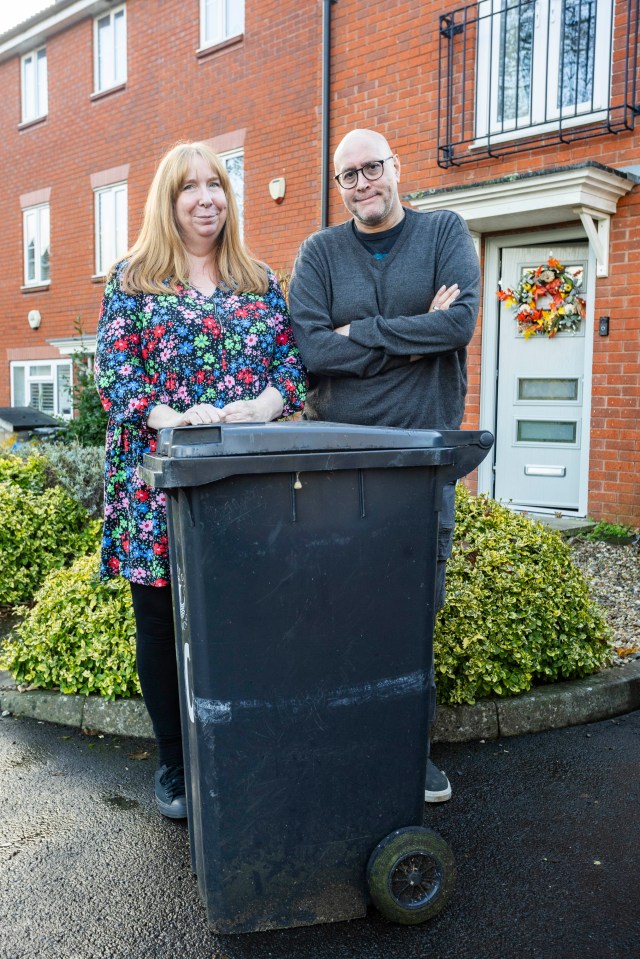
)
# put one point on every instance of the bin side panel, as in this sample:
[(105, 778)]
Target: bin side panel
[(310, 623)]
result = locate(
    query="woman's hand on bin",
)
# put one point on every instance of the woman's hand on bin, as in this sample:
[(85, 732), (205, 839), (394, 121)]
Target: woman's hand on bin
[(266, 407), (162, 416)]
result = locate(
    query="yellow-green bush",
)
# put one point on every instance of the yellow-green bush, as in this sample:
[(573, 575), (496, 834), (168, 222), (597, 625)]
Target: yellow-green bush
[(518, 610), (39, 531), (28, 471), (78, 637)]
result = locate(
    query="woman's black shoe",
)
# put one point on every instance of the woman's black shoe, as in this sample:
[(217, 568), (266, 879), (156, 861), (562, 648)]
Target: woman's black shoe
[(170, 792)]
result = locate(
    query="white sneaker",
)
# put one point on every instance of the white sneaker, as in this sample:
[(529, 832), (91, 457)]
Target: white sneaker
[(437, 787)]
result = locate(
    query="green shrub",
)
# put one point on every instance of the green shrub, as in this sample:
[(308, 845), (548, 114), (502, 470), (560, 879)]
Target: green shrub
[(611, 532), (26, 469), (79, 636), (39, 531), (80, 470), (89, 424), (518, 611)]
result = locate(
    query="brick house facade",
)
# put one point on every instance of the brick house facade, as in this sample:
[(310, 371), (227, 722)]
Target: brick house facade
[(538, 158)]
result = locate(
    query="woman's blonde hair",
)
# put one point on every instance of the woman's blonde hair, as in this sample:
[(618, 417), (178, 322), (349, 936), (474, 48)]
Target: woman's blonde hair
[(158, 262)]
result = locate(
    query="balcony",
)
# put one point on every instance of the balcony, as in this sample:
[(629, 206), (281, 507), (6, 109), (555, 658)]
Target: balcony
[(518, 75)]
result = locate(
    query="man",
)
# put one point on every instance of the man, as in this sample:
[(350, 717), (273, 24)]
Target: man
[(383, 308)]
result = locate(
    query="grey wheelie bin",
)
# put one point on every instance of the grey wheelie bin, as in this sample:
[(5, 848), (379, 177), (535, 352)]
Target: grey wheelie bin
[(303, 564)]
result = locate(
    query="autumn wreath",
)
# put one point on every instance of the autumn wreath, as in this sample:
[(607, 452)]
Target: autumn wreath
[(546, 300)]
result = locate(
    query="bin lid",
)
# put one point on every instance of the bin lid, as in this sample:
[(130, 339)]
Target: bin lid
[(250, 439), (197, 455)]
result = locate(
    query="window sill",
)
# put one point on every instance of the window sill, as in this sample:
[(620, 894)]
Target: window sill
[(538, 129), (203, 53), (100, 94), (99, 278), (27, 124), (35, 287)]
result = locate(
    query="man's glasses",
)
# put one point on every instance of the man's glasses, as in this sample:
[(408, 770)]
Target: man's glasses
[(372, 170)]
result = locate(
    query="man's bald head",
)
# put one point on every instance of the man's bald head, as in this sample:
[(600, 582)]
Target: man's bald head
[(361, 139)]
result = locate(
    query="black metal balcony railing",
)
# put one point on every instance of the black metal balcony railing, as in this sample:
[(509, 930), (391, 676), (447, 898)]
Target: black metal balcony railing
[(518, 75)]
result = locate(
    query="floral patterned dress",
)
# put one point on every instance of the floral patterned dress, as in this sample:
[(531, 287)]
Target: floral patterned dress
[(178, 350)]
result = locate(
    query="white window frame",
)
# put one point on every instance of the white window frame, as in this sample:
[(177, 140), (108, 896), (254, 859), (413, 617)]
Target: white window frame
[(220, 20), (225, 158), (35, 374), (111, 225), (110, 64), (543, 116), (39, 216), (33, 72)]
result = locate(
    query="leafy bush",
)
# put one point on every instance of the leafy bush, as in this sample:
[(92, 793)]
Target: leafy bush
[(79, 636), (39, 531), (37, 465), (25, 469), (518, 611), (89, 424), (611, 532), (80, 470)]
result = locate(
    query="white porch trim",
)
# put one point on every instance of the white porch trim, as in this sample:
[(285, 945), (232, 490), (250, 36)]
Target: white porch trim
[(588, 193)]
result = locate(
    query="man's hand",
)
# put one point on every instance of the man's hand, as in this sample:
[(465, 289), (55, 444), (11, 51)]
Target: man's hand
[(444, 298), (441, 301)]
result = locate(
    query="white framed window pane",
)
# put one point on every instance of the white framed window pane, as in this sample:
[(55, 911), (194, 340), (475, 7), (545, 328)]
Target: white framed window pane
[(119, 47), (234, 15), (44, 386), (42, 82), (18, 394), (44, 247), (42, 397), (234, 165), (30, 246), (110, 49), (105, 53), (111, 226), (64, 401), (539, 61), (221, 19), (34, 85), (28, 88), (36, 245)]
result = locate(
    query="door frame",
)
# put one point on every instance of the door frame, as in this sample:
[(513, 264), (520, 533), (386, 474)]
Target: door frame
[(493, 247)]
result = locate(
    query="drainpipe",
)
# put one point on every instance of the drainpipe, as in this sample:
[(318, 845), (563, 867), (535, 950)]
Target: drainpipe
[(326, 110)]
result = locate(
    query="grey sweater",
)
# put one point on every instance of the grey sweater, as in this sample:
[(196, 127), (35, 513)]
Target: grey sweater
[(367, 377)]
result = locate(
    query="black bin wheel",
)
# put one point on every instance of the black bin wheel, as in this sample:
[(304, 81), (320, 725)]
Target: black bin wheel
[(411, 875)]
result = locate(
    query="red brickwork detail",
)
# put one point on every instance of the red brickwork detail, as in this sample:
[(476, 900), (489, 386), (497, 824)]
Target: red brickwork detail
[(384, 74)]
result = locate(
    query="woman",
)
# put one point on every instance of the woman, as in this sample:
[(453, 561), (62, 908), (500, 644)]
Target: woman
[(192, 330)]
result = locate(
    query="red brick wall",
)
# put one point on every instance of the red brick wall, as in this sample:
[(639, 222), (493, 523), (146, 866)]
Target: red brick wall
[(384, 75)]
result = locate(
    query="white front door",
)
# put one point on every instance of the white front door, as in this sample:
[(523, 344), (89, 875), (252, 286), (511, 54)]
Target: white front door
[(540, 430)]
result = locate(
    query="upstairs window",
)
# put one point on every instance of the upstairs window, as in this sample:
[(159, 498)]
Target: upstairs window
[(34, 85), (541, 62), (111, 226), (220, 20), (110, 50), (36, 245), (516, 75)]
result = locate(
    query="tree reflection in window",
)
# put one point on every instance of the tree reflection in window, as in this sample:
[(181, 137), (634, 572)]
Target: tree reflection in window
[(516, 60), (577, 53)]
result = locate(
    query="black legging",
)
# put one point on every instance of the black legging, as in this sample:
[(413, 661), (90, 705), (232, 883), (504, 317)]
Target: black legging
[(157, 667)]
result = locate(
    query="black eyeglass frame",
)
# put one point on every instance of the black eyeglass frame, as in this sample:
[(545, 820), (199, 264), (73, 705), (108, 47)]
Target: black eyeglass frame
[(360, 169)]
